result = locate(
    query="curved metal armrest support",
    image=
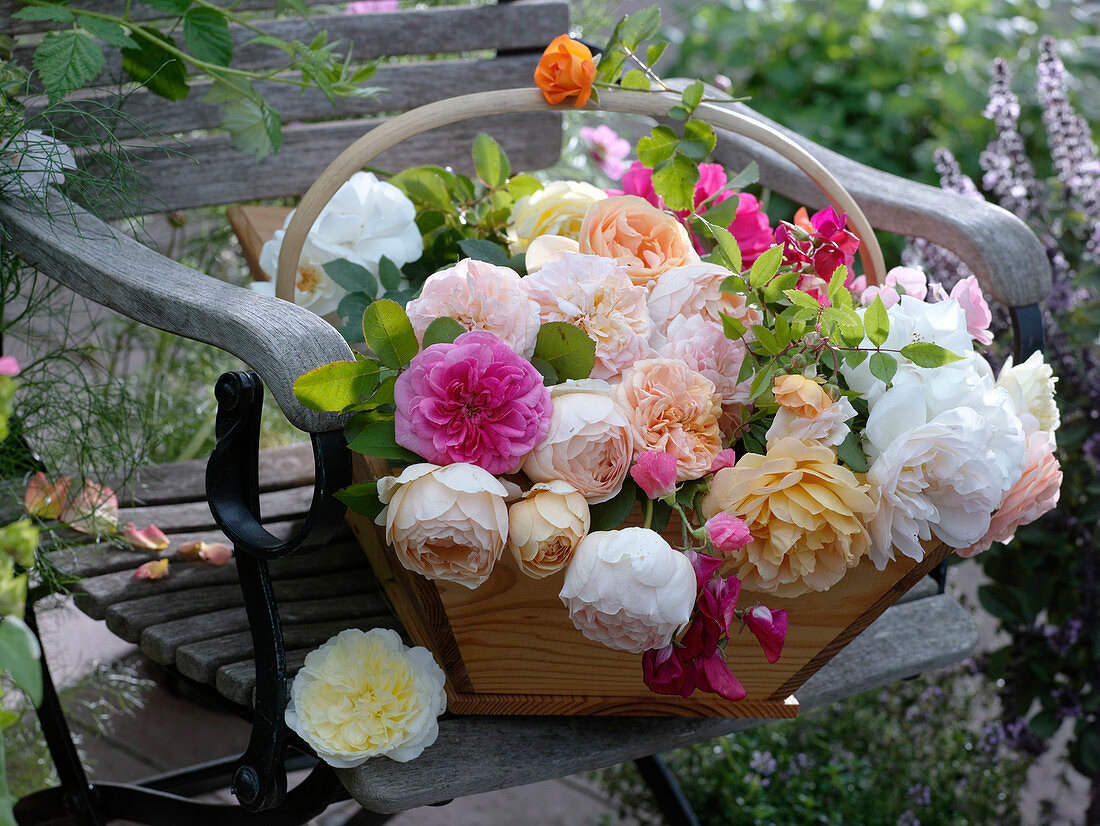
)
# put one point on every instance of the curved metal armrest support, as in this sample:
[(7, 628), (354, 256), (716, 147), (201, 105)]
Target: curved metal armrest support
[(279, 340), (1003, 252)]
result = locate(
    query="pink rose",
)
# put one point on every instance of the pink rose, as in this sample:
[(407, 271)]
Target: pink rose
[(725, 458), (607, 149), (481, 296), (969, 295), (473, 400), (596, 295), (696, 290), (727, 533), (675, 409), (655, 473), (751, 229)]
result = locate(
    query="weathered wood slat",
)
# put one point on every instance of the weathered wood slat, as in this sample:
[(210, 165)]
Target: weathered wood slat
[(404, 87), (237, 681), (286, 504), (214, 172), (95, 595), (132, 618), (279, 467), (201, 660), (896, 645), (161, 641), (527, 25)]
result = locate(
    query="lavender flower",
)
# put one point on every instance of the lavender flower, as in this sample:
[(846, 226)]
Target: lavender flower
[(1009, 174), (908, 819), (921, 794), (1091, 449), (763, 763)]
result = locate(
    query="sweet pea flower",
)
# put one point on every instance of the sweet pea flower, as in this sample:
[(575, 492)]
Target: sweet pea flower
[(608, 150), (704, 565), (473, 400), (664, 673), (147, 539), (770, 628), (727, 533), (978, 317), (628, 589), (655, 473)]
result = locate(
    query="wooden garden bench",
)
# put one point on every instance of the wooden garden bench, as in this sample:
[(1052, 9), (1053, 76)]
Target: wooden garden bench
[(209, 623)]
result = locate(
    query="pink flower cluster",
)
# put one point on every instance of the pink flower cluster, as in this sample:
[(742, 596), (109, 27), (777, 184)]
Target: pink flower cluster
[(818, 245)]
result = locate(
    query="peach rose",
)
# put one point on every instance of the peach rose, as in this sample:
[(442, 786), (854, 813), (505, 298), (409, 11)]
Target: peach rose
[(481, 296), (696, 290), (565, 69), (802, 396), (674, 409), (589, 443), (644, 239), (545, 527), (806, 514), (446, 523)]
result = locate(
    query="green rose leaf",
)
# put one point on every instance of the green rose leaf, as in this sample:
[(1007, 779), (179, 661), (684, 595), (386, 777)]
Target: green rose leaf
[(927, 354), (675, 182), (490, 161), (727, 245), (362, 498), (657, 147), (801, 299), (883, 367), (639, 26), (779, 285), (567, 349), (520, 186), (607, 516), (424, 188), (876, 322), (699, 140), (443, 331), (150, 63), (635, 79), (747, 176), (372, 437), (549, 374), (765, 267), (733, 328), (66, 61), (851, 454), (389, 333), (481, 250), (206, 33), (389, 274), (692, 95), (172, 7), (254, 127), (20, 656), (353, 277), (336, 386), (654, 52)]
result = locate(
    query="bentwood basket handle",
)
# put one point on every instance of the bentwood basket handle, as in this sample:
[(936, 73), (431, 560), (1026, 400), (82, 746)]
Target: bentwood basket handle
[(505, 101)]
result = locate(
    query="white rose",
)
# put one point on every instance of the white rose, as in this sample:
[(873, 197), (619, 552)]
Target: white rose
[(1031, 388), (447, 523), (589, 442), (629, 589), (32, 161), (828, 428), (556, 209), (545, 527), (365, 694), (366, 220)]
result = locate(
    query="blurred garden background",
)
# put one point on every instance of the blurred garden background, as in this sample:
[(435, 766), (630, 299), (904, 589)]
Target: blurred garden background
[(994, 98)]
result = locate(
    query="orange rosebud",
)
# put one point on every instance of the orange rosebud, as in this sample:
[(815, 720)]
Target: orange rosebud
[(802, 221), (566, 69), (802, 396), (156, 569)]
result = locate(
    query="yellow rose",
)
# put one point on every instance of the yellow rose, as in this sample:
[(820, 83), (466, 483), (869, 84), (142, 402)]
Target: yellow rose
[(806, 514), (364, 694), (556, 209), (545, 527)]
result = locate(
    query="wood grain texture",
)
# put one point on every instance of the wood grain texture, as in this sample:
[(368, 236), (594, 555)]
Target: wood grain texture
[(528, 25), (278, 340), (212, 171), (897, 645)]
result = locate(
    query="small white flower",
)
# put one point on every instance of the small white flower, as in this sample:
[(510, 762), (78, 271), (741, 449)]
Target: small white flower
[(366, 220), (365, 694), (629, 589)]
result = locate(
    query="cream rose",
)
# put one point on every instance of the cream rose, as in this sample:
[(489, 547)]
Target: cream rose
[(644, 239), (366, 220), (447, 523), (545, 527), (596, 295), (556, 209), (481, 296), (1031, 387), (629, 589), (589, 443), (674, 409), (365, 694)]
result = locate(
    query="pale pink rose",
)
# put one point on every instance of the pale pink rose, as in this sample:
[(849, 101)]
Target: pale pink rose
[(629, 589), (675, 409), (596, 295), (703, 347), (589, 443), (969, 295), (912, 281), (448, 523), (481, 296), (655, 473), (695, 290), (727, 532), (644, 239), (1036, 493), (828, 428)]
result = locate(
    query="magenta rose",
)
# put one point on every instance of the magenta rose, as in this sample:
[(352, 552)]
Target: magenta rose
[(473, 400)]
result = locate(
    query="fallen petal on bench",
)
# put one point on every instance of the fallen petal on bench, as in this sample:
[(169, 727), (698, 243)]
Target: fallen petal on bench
[(154, 569), (147, 539)]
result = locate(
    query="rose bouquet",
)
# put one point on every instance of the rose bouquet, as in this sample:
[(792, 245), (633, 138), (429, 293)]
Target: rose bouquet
[(566, 356)]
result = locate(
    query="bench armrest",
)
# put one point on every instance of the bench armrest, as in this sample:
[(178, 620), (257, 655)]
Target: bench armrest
[(278, 340), (1002, 251)]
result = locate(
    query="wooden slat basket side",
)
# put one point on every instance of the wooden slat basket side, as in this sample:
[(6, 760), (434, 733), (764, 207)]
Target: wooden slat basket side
[(509, 647)]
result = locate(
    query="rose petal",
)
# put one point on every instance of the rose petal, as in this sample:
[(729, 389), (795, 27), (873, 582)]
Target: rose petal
[(147, 539), (154, 569), (217, 554)]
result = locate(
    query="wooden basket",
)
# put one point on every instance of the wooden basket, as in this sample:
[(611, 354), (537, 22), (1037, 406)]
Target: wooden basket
[(509, 647)]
